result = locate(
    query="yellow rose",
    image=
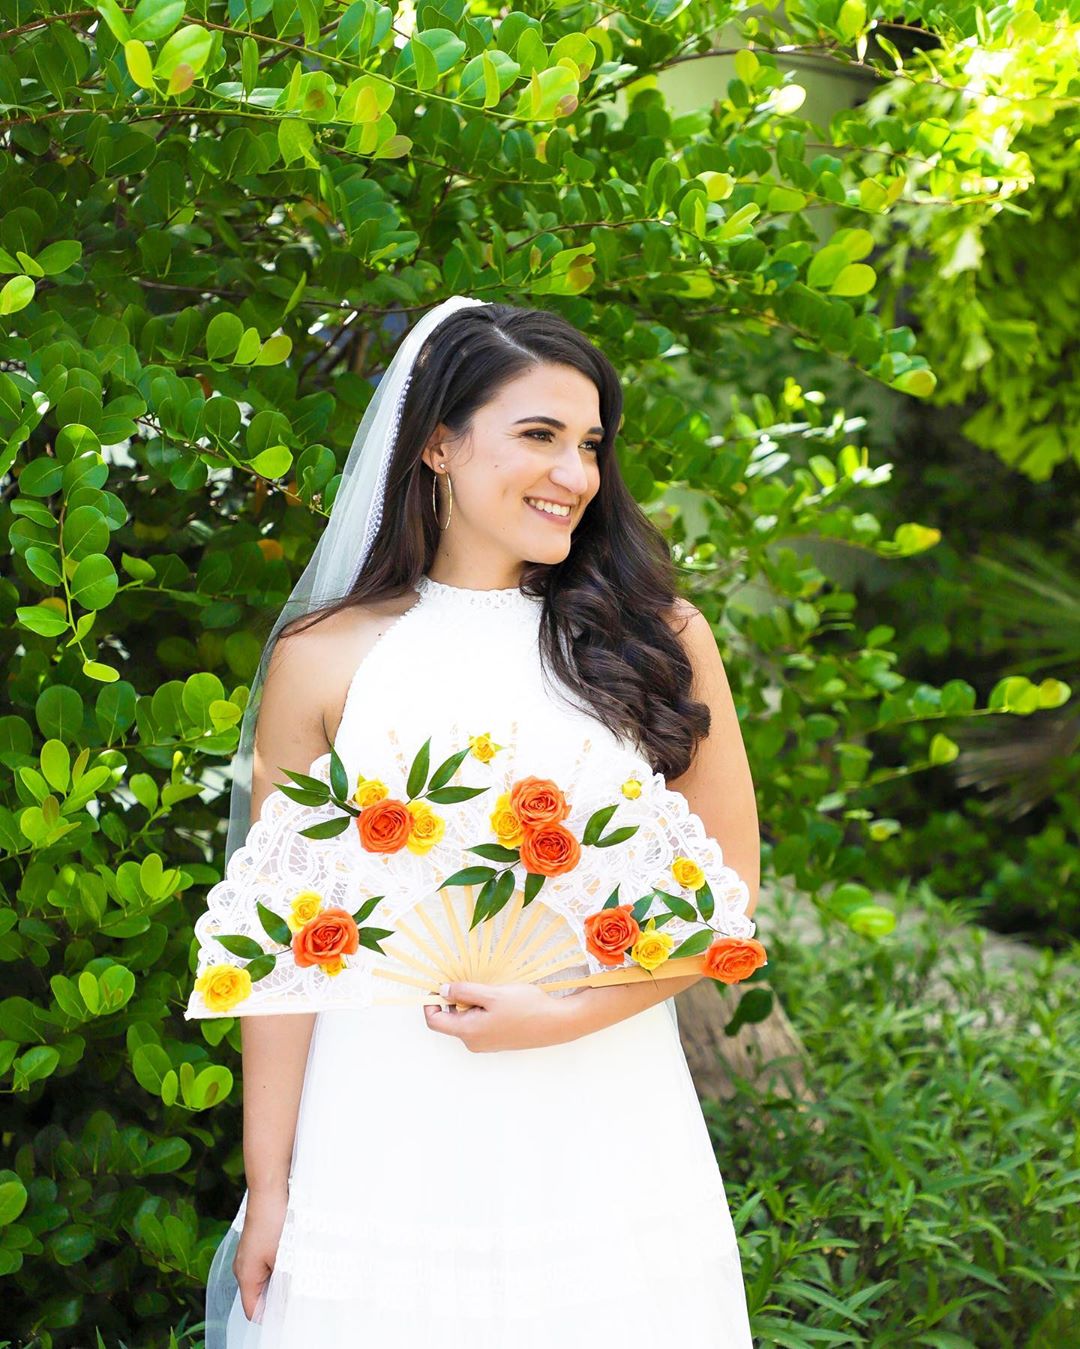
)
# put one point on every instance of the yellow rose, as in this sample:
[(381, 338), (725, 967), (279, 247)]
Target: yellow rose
[(368, 791), (652, 948), (483, 747), (505, 824), (427, 827), (687, 872), (334, 966), (304, 908), (223, 986), (631, 789)]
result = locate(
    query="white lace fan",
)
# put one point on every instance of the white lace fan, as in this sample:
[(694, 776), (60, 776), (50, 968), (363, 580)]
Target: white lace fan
[(504, 878)]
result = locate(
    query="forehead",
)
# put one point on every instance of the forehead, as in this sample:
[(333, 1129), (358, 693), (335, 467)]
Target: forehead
[(552, 391)]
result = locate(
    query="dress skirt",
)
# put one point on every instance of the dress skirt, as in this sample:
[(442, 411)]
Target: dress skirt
[(443, 1199)]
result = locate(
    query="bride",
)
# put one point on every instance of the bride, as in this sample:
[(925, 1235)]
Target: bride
[(512, 1165)]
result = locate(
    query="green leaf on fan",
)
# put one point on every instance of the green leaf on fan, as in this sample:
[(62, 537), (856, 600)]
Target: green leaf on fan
[(273, 925), (596, 822), (371, 936), (328, 828), (260, 967), (244, 947), (366, 908), (448, 768), (481, 905), (303, 796), (447, 796), (496, 852), (308, 783), (533, 884), (470, 876), (705, 902), (419, 771), (640, 909), (683, 908), (339, 779), (618, 836), (694, 944)]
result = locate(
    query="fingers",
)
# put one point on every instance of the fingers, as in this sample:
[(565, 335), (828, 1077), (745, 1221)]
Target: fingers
[(252, 1288)]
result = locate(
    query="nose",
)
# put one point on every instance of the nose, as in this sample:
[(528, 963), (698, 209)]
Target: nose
[(570, 473)]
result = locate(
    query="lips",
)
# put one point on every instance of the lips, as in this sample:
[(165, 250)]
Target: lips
[(548, 515)]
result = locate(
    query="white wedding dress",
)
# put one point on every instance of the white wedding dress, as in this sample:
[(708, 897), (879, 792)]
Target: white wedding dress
[(443, 1199)]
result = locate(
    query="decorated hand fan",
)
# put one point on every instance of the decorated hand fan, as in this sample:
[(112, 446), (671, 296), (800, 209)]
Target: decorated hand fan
[(344, 898)]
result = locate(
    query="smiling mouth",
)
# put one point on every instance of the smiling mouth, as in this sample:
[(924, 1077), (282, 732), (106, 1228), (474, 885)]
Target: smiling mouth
[(558, 516)]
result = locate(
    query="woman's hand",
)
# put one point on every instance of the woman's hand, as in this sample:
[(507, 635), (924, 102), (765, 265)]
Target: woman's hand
[(502, 1016), (257, 1250)]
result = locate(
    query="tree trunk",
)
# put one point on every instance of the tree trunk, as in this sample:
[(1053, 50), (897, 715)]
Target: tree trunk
[(768, 1053)]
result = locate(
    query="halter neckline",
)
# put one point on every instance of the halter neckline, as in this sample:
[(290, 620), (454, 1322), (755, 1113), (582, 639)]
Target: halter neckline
[(467, 595)]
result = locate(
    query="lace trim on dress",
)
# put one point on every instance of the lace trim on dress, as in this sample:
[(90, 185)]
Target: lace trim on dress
[(511, 597)]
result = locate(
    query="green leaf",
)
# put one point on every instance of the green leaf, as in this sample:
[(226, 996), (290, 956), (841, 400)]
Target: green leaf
[(275, 351), (95, 581), (223, 334), (942, 749), (328, 828), (470, 876), (339, 778), (418, 771), (46, 622), (694, 945), (295, 140), (156, 19), (247, 948), (57, 257), (260, 967), (190, 47), (139, 63), (274, 462), (872, 920), (115, 17), (12, 1199), (920, 383), (276, 928), (857, 278)]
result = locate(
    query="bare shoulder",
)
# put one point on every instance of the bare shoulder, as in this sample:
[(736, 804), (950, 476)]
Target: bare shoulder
[(699, 642), (685, 619), (322, 659)]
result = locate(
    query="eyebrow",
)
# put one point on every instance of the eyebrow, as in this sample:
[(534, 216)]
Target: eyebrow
[(558, 425)]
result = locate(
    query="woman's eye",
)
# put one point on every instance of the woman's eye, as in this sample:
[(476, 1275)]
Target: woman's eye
[(593, 445)]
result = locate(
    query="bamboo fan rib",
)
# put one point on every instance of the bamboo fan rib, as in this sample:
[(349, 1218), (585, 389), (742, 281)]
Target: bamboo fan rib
[(530, 945)]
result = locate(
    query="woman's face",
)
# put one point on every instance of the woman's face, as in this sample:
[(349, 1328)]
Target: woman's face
[(536, 441)]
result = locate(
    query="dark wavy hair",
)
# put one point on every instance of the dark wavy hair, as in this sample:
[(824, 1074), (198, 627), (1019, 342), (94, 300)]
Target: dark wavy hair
[(605, 628)]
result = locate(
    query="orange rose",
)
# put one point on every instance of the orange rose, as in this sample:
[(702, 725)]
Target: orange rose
[(609, 932), (731, 959), (329, 936), (551, 850), (538, 801), (385, 826)]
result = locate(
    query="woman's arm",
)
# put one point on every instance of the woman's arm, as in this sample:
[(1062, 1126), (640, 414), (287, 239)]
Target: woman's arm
[(719, 788), (289, 735)]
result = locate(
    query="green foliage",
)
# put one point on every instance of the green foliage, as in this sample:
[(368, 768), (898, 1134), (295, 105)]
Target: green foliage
[(213, 225), (996, 292), (925, 1195)]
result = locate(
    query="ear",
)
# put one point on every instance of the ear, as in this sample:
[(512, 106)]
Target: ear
[(433, 452)]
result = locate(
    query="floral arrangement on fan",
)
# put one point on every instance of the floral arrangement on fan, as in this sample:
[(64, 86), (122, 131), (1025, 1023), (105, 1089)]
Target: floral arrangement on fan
[(525, 829)]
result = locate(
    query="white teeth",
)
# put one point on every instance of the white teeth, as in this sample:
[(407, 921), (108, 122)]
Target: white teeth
[(548, 506)]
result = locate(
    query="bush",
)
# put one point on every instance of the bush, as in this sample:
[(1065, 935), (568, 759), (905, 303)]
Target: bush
[(928, 1195)]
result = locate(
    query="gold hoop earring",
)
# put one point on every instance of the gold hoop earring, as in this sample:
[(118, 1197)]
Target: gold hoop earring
[(450, 489)]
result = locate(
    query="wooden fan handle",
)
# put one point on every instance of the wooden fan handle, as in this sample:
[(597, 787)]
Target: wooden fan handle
[(634, 974)]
